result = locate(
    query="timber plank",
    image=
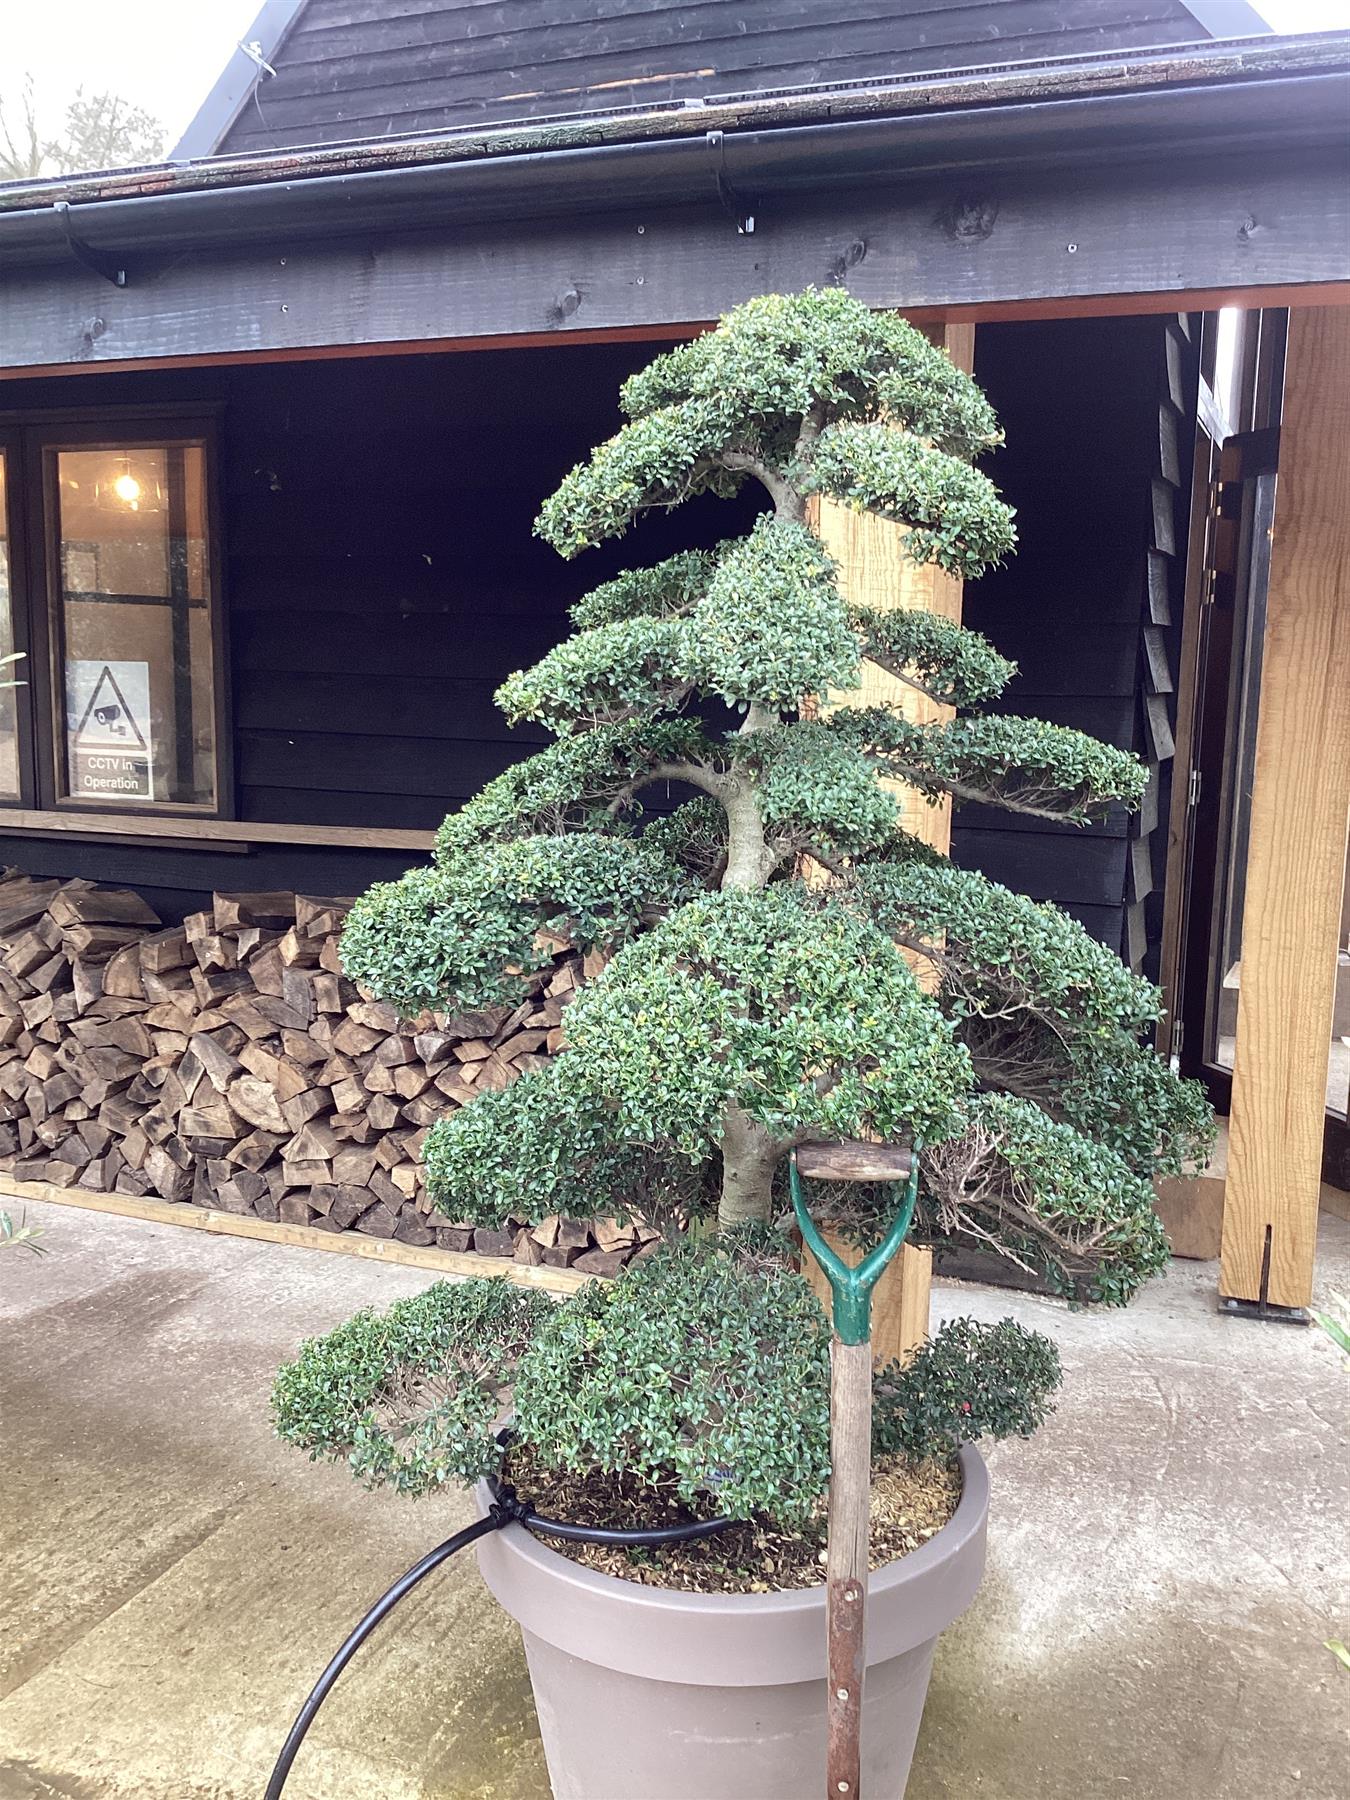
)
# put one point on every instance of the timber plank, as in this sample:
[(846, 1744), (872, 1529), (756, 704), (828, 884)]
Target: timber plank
[(874, 571), (457, 1266)]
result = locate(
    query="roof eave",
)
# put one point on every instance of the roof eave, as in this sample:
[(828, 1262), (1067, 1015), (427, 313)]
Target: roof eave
[(1208, 99)]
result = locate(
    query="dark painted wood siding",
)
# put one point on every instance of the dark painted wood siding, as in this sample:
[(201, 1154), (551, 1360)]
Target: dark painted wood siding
[(1097, 415), (381, 580), (371, 68)]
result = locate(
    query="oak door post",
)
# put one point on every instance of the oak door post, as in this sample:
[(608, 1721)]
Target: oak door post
[(1296, 859)]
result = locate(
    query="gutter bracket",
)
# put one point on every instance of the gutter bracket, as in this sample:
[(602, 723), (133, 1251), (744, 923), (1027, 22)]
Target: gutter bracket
[(734, 205), (101, 265)]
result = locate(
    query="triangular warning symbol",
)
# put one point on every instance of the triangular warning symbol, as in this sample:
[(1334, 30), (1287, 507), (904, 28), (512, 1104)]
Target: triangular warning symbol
[(107, 720)]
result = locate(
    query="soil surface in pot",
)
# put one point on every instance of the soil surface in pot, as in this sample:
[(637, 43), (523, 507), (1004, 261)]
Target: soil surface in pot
[(910, 1503)]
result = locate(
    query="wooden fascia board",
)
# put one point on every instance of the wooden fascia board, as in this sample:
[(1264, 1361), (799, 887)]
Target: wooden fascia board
[(968, 244)]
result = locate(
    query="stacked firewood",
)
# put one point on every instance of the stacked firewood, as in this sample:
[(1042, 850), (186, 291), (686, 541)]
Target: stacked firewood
[(228, 1062)]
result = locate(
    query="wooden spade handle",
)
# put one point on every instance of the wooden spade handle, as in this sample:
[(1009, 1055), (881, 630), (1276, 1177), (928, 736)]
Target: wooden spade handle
[(853, 1159), (847, 1557)]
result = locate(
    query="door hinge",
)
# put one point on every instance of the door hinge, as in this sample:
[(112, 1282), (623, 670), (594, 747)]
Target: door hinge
[(1174, 1049), (1193, 789)]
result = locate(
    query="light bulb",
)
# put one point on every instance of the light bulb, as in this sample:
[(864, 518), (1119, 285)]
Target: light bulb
[(127, 488)]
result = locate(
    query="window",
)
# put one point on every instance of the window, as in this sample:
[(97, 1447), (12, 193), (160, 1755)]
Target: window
[(117, 603)]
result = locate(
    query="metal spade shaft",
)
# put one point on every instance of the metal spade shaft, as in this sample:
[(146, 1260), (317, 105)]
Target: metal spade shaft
[(850, 1433)]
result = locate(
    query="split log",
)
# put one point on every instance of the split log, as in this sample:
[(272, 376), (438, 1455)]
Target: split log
[(228, 1061)]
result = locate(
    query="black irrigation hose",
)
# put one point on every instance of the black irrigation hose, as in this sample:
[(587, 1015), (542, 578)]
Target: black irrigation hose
[(385, 1604), (506, 1509), (504, 1495)]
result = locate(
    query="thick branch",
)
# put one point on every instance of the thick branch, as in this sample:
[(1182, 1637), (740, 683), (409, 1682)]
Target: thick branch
[(812, 425), (697, 775), (758, 717), (929, 783), (750, 861), (902, 672), (788, 503), (748, 1158)]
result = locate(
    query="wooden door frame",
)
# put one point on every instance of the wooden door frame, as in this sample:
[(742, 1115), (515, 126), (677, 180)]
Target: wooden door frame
[(1300, 807)]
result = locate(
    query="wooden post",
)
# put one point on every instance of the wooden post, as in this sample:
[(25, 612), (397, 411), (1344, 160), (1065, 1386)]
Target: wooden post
[(1296, 860), (874, 571)]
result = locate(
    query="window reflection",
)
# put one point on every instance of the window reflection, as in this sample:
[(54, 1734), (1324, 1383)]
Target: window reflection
[(133, 629)]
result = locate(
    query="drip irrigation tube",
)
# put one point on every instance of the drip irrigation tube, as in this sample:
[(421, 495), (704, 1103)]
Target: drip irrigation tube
[(507, 1509)]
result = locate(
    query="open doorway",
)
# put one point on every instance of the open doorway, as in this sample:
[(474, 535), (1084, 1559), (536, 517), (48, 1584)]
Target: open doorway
[(1233, 515)]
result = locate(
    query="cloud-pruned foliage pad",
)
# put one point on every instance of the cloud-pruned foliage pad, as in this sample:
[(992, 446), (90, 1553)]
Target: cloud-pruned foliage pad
[(703, 1373), (969, 1381), (408, 1398), (464, 935)]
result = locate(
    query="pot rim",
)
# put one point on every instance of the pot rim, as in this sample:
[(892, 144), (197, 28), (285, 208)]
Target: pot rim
[(946, 1544)]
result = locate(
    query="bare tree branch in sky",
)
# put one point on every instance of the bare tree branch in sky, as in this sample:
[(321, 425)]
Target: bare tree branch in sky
[(100, 131)]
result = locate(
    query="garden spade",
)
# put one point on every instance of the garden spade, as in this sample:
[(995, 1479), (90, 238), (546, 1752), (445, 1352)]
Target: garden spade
[(850, 1428)]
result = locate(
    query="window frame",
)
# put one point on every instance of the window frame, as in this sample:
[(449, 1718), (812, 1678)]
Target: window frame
[(16, 523), (35, 440)]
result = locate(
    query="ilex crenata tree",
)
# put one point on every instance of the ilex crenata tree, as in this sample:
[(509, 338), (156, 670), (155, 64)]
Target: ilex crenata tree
[(764, 935)]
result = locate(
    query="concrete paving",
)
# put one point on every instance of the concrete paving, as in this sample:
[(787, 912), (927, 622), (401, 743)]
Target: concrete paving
[(1166, 1558)]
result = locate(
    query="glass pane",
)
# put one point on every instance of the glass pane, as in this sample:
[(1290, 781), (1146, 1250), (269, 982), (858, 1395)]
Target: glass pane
[(134, 627), (9, 724), (1240, 766)]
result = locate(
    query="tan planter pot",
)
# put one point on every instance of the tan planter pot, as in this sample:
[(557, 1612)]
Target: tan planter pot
[(649, 1694)]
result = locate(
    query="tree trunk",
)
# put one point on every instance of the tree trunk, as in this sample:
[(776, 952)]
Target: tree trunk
[(748, 1158), (749, 860)]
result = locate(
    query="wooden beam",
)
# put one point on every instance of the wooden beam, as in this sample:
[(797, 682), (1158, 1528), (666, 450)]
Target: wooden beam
[(1082, 306), (451, 1263), (1296, 859), (16, 821), (977, 239)]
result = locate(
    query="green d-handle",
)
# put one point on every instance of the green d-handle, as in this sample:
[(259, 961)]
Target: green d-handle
[(852, 1288)]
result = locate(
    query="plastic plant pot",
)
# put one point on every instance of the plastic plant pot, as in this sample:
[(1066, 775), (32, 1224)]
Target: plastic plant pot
[(647, 1693)]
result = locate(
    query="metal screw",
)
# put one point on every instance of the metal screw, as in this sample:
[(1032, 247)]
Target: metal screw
[(641, 280), (642, 230), (850, 1593), (843, 1787), (841, 1693), (1072, 249), (285, 308)]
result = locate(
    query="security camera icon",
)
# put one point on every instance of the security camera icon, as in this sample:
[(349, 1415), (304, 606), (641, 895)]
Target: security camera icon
[(112, 719)]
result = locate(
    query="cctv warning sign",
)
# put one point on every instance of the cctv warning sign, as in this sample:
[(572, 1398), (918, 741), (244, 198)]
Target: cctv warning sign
[(108, 721)]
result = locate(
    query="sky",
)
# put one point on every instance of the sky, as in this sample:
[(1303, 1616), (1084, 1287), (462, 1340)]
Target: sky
[(164, 55)]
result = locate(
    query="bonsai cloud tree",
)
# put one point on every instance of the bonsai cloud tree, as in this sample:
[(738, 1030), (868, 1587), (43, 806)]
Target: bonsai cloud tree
[(764, 932)]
